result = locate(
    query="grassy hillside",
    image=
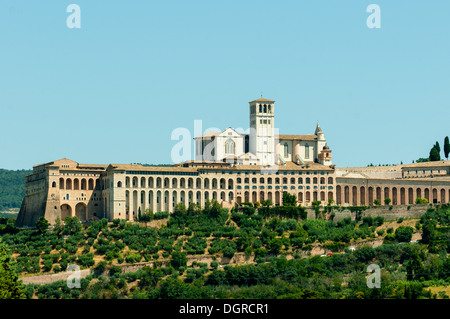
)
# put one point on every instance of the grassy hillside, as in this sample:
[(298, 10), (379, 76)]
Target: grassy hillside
[(12, 188)]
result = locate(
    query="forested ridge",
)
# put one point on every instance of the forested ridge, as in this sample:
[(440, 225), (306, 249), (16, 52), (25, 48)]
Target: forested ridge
[(12, 188)]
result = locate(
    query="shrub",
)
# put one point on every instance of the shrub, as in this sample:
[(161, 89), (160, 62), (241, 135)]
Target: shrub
[(404, 233)]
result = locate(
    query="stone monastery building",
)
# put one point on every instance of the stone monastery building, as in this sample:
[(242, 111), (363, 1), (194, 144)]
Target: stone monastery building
[(230, 167)]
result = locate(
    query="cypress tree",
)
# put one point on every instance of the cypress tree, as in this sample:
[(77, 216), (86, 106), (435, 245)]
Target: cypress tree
[(446, 147)]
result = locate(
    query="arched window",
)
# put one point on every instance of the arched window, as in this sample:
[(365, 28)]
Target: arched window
[(306, 150), (229, 146), (286, 150), (54, 184), (265, 108)]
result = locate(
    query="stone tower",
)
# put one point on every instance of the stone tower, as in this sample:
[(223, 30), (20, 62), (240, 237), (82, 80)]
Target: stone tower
[(262, 136)]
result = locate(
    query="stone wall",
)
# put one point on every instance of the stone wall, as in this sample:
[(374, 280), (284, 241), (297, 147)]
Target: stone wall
[(388, 212)]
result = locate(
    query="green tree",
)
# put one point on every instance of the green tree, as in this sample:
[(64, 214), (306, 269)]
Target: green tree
[(404, 233), (446, 147), (289, 200), (377, 201), (42, 225), (180, 210), (178, 259), (387, 200), (434, 154), (72, 225), (10, 285)]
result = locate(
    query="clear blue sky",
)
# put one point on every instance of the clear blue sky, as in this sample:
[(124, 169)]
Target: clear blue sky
[(114, 90)]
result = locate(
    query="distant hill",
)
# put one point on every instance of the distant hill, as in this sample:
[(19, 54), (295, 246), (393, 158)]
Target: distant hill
[(12, 188)]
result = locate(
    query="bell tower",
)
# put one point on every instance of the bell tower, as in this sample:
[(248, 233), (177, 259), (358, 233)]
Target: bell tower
[(262, 135)]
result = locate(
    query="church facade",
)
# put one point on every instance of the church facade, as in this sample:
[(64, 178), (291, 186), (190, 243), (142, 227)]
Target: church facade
[(230, 167)]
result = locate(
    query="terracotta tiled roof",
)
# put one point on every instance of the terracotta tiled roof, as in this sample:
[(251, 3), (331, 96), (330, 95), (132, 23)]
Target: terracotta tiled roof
[(309, 137), (262, 100)]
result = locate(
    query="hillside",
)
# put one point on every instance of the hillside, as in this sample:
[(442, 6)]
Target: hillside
[(215, 253), (12, 188)]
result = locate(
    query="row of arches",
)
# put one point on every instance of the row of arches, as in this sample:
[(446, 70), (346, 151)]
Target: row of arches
[(165, 200), (363, 195), (80, 211), (191, 183), (77, 184), (276, 197), (286, 180)]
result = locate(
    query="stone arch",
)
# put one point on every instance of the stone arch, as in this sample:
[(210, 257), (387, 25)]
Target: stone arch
[(166, 201), (394, 196), (362, 195), (198, 183), (378, 193), (61, 183), (91, 184), (182, 182), (119, 184), (322, 196), (54, 184), (410, 196), (300, 197), (346, 194), (435, 199), (354, 196), (150, 182), (190, 183), (214, 183), (230, 196), (166, 182), (330, 196), (230, 183), (76, 184), (330, 180), (143, 202), (127, 181), (158, 182), (246, 197), (338, 195), (418, 192), (174, 182), (277, 198), (206, 183), (222, 183), (402, 196), (81, 211), (174, 198), (150, 200), (83, 184), (158, 201), (66, 211), (370, 191), (386, 193), (183, 198), (254, 196), (143, 183), (427, 194), (261, 196), (443, 196), (135, 181)]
